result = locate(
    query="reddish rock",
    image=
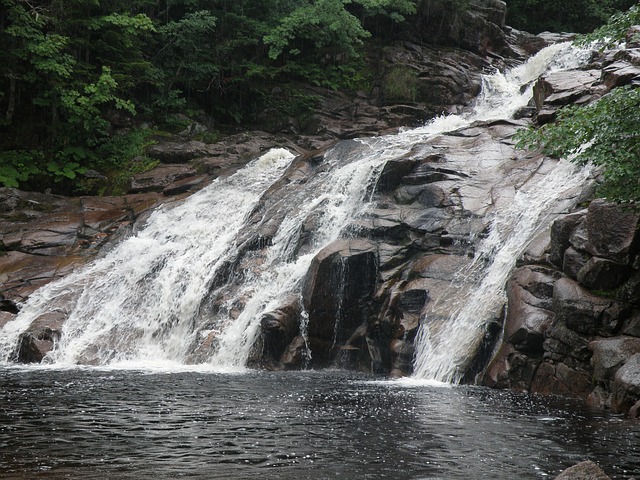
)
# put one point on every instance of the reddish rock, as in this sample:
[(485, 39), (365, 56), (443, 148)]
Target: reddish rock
[(583, 471), (612, 231)]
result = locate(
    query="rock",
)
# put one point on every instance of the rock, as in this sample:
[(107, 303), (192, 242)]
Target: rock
[(583, 471), (602, 274), (338, 288), (584, 312), (160, 177), (626, 385), (561, 231), (185, 185), (557, 89), (477, 28), (6, 317), (632, 325), (178, 152), (612, 231), (560, 379), (529, 295), (277, 330), (39, 338), (295, 354), (610, 354), (573, 261), (402, 353), (620, 73), (510, 369)]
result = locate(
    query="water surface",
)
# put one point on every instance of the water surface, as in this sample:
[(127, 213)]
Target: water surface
[(121, 424)]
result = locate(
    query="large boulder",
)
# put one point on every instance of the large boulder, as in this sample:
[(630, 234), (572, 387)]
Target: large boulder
[(610, 354), (584, 312), (587, 470), (557, 89), (612, 231), (337, 292), (529, 293), (626, 386), (40, 338)]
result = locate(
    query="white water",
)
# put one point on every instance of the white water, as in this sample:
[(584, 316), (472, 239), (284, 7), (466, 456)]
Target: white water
[(477, 294), (143, 304)]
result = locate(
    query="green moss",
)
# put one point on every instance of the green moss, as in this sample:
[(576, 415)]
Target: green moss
[(401, 84)]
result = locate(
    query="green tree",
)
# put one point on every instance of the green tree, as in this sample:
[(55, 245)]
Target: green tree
[(567, 16), (605, 133)]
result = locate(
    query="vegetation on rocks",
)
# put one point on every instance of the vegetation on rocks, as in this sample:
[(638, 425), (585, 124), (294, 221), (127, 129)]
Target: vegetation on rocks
[(581, 16), (76, 76), (605, 133)]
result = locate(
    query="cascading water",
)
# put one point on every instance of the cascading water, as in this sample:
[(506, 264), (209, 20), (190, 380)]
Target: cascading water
[(148, 300)]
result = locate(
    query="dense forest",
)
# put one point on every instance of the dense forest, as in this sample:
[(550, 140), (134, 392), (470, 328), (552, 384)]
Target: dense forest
[(85, 84)]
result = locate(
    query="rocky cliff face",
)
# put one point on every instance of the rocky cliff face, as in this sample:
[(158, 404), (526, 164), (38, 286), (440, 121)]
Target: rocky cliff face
[(572, 321)]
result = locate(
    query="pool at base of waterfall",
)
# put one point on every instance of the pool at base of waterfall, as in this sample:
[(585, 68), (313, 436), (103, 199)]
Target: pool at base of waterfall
[(89, 423)]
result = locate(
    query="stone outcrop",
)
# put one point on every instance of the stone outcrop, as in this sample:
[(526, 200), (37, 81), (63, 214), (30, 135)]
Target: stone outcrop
[(365, 294), (575, 336), (588, 343)]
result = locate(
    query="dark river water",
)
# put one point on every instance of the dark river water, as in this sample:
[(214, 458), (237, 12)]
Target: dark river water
[(120, 424)]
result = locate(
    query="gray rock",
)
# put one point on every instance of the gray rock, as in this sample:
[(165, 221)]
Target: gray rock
[(561, 230), (626, 385), (610, 354), (612, 231), (573, 261), (340, 283), (584, 312), (160, 177), (583, 471), (178, 152), (602, 274)]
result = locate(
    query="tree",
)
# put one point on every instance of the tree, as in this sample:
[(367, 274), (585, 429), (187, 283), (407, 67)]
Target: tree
[(605, 133), (579, 16)]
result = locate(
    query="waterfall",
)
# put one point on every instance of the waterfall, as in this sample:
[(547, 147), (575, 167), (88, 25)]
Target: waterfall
[(151, 299)]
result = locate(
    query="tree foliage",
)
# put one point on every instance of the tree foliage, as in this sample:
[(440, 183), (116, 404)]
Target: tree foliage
[(67, 68), (605, 133), (578, 16)]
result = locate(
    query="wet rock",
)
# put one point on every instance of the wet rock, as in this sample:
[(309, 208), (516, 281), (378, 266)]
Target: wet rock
[(338, 288), (39, 339), (610, 354), (583, 471), (529, 294), (626, 385), (158, 178), (612, 231), (295, 355), (602, 274), (511, 369), (277, 330), (584, 312), (560, 379), (402, 353), (6, 317)]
